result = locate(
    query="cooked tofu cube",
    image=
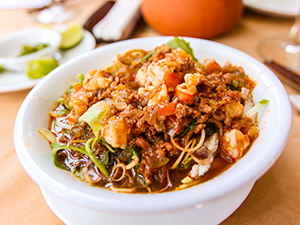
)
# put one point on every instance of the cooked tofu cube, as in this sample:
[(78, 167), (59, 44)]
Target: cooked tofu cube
[(234, 109), (212, 143), (115, 133), (199, 170), (234, 143)]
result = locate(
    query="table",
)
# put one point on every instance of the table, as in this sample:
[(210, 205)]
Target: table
[(275, 198)]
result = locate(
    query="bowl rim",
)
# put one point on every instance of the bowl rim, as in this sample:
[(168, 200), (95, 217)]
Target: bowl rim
[(53, 35), (160, 202)]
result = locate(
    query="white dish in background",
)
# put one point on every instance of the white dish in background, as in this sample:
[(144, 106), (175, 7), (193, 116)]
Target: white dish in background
[(11, 46), (284, 8), (76, 202), (15, 81)]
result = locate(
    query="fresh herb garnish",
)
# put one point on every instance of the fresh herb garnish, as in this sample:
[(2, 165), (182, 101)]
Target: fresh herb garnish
[(210, 129), (86, 151), (190, 127), (233, 87), (64, 103), (106, 158), (181, 43), (147, 57), (63, 112), (136, 153)]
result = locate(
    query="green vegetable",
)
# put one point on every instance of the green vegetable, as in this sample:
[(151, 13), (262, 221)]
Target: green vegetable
[(2, 69), (94, 115), (38, 68), (28, 49), (55, 149), (71, 89), (186, 164), (233, 87), (190, 127), (135, 152), (71, 37), (107, 145), (86, 151), (147, 57), (78, 173), (186, 180), (106, 158), (255, 109), (48, 135), (210, 129), (181, 43), (64, 103), (63, 112), (80, 77), (94, 159)]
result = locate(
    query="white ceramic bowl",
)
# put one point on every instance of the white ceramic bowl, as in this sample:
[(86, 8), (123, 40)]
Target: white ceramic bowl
[(11, 45), (76, 202)]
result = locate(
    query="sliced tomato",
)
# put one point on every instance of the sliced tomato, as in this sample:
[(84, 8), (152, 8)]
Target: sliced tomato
[(184, 97), (213, 66), (172, 80), (167, 109)]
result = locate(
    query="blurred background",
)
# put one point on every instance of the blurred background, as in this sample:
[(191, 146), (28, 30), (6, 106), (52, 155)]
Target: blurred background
[(268, 30)]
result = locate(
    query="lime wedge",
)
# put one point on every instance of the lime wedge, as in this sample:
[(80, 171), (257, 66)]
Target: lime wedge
[(38, 68), (1, 69), (71, 37)]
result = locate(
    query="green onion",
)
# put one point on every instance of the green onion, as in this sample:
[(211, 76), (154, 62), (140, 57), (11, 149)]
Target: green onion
[(86, 151), (107, 145), (186, 180), (147, 57), (48, 135), (255, 109), (64, 103), (94, 159), (190, 127), (63, 112), (80, 77)]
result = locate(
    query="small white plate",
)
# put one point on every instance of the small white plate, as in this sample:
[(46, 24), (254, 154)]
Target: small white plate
[(15, 81), (283, 8)]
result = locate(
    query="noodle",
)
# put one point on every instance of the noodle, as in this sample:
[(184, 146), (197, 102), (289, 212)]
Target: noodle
[(122, 190), (115, 172), (206, 161)]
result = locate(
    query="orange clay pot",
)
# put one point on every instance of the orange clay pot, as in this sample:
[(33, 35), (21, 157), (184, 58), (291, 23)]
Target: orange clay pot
[(195, 18)]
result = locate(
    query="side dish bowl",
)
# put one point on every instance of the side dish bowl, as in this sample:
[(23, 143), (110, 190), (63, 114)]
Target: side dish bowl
[(211, 202), (11, 46)]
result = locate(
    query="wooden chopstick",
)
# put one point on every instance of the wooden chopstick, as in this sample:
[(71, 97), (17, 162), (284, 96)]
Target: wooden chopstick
[(288, 75)]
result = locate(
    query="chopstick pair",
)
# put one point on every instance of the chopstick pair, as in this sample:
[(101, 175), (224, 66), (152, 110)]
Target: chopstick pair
[(291, 77)]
